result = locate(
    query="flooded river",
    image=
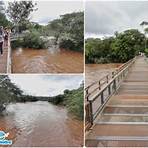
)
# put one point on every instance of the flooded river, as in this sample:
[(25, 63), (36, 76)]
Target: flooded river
[(94, 72), (41, 124), (46, 61)]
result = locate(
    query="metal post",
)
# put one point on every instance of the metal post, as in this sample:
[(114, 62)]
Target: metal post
[(87, 94), (113, 74), (102, 98), (109, 90), (91, 112), (115, 84), (107, 78), (99, 85)]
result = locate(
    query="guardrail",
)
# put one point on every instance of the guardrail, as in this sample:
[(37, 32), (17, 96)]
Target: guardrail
[(98, 93), (9, 56)]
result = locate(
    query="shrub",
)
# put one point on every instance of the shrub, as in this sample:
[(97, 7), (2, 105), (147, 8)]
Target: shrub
[(33, 40), (74, 102), (30, 40)]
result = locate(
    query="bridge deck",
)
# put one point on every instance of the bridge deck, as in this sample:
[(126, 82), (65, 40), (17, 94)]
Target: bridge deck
[(124, 120), (4, 60)]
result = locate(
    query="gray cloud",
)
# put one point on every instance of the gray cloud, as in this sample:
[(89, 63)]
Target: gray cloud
[(46, 85), (106, 17)]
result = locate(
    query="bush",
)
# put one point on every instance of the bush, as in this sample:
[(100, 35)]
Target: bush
[(16, 43), (33, 40), (67, 44), (73, 100), (57, 99), (74, 103), (30, 40)]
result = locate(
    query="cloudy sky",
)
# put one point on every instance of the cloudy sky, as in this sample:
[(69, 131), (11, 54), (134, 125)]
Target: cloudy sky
[(103, 18), (46, 85), (49, 10)]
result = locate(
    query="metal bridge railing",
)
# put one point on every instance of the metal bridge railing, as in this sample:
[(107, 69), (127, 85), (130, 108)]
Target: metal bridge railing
[(98, 93), (9, 57)]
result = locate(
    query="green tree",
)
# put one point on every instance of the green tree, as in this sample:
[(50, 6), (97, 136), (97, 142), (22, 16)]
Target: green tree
[(68, 30), (127, 45), (57, 28), (73, 33), (19, 13), (3, 20), (8, 92), (97, 50)]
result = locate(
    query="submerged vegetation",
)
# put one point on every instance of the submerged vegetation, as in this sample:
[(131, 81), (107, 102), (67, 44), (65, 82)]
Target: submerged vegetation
[(119, 48)]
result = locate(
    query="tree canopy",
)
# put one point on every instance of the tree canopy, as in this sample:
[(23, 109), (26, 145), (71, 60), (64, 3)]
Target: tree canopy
[(3, 19), (120, 48), (69, 30), (19, 13)]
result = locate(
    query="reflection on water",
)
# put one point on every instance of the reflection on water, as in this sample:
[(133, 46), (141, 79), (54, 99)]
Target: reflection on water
[(94, 72), (41, 124), (52, 60)]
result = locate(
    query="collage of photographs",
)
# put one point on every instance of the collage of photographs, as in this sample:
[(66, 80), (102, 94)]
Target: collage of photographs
[(73, 73)]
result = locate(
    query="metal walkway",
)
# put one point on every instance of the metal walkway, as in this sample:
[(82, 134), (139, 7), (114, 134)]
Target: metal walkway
[(123, 120)]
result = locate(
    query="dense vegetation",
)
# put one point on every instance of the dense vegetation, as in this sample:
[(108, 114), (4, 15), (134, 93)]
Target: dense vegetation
[(8, 92), (119, 48), (73, 100), (68, 30), (3, 19)]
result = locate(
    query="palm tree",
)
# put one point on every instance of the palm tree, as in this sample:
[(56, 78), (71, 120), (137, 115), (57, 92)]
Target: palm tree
[(144, 23)]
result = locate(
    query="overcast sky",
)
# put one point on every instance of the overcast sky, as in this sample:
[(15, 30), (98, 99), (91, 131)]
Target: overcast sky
[(46, 85), (103, 18), (49, 10)]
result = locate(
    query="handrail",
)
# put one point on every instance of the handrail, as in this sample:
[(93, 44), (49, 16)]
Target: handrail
[(9, 56), (104, 79), (96, 103)]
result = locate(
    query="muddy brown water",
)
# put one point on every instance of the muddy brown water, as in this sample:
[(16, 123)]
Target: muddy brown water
[(46, 61), (41, 124), (94, 72)]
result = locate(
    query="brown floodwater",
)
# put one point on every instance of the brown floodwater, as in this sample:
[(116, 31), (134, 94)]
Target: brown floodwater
[(41, 124), (94, 72), (46, 61)]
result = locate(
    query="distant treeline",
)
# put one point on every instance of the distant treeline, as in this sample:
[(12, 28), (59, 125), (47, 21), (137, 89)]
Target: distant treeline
[(119, 48)]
